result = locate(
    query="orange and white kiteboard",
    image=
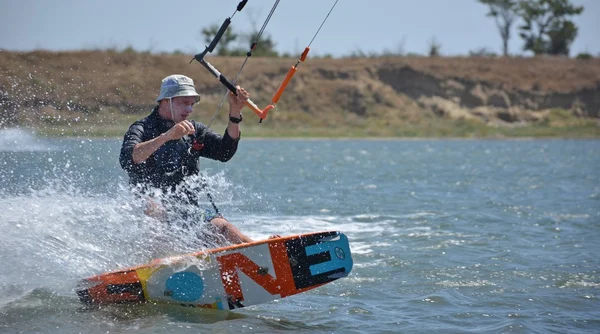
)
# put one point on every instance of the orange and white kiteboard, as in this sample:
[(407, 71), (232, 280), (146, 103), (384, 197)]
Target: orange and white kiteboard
[(230, 277)]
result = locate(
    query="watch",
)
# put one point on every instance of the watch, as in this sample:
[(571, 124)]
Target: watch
[(235, 120)]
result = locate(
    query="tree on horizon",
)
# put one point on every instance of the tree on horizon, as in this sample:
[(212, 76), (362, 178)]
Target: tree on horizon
[(546, 28), (223, 46), (504, 13)]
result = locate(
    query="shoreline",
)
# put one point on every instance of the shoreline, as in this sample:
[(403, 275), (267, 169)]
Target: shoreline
[(39, 134)]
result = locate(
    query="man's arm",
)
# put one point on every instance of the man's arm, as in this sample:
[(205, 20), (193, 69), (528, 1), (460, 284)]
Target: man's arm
[(134, 136), (236, 103), (233, 129), (143, 151), (215, 147)]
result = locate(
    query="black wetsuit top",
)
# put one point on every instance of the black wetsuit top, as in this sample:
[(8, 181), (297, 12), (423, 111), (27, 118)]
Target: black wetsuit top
[(173, 161)]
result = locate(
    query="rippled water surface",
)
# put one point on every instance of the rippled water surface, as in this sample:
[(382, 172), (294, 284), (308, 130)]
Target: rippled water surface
[(481, 236)]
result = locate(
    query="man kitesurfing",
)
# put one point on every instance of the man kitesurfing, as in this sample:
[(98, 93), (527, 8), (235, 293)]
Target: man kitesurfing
[(162, 150), (160, 153)]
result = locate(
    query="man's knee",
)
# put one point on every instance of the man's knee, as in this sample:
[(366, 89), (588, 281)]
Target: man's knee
[(220, 223)]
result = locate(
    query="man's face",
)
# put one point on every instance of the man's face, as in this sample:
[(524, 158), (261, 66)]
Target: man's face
[(182, 107)]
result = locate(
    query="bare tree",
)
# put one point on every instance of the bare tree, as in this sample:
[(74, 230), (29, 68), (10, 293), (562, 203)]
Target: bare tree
[(434, 48), (504, 13)]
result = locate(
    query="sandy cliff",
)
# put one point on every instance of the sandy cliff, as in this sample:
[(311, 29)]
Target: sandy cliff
[(404, 89)]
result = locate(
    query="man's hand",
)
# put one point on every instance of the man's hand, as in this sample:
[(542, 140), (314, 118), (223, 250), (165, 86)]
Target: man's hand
[(180, 129), (237, 102)]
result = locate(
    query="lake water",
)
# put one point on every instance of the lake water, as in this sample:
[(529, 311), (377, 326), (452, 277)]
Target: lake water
[(455, 236)]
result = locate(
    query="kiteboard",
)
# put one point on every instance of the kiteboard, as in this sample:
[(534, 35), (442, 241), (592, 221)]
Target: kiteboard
[(230, 277)]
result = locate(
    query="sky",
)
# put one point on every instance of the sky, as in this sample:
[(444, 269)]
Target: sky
[(354, 26)]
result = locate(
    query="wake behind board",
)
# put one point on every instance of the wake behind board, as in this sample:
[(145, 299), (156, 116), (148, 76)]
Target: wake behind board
[(229, 277)]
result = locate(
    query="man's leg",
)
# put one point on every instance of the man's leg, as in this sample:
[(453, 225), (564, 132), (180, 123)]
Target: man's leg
[(229, 231)]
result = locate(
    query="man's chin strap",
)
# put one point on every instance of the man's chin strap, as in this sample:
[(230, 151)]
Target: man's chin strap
[(171, 109)]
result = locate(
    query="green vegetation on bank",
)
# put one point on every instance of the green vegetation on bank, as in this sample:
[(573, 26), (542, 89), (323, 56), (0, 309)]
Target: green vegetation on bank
[(559, 124)]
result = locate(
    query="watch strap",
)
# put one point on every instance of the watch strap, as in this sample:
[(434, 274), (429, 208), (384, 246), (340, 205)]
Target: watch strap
[(235, 120)]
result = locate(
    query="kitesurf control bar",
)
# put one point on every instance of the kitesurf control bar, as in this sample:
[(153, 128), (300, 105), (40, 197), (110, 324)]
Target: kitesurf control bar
[(288, 77), (221, 31), (262, 114), (294, 68)]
